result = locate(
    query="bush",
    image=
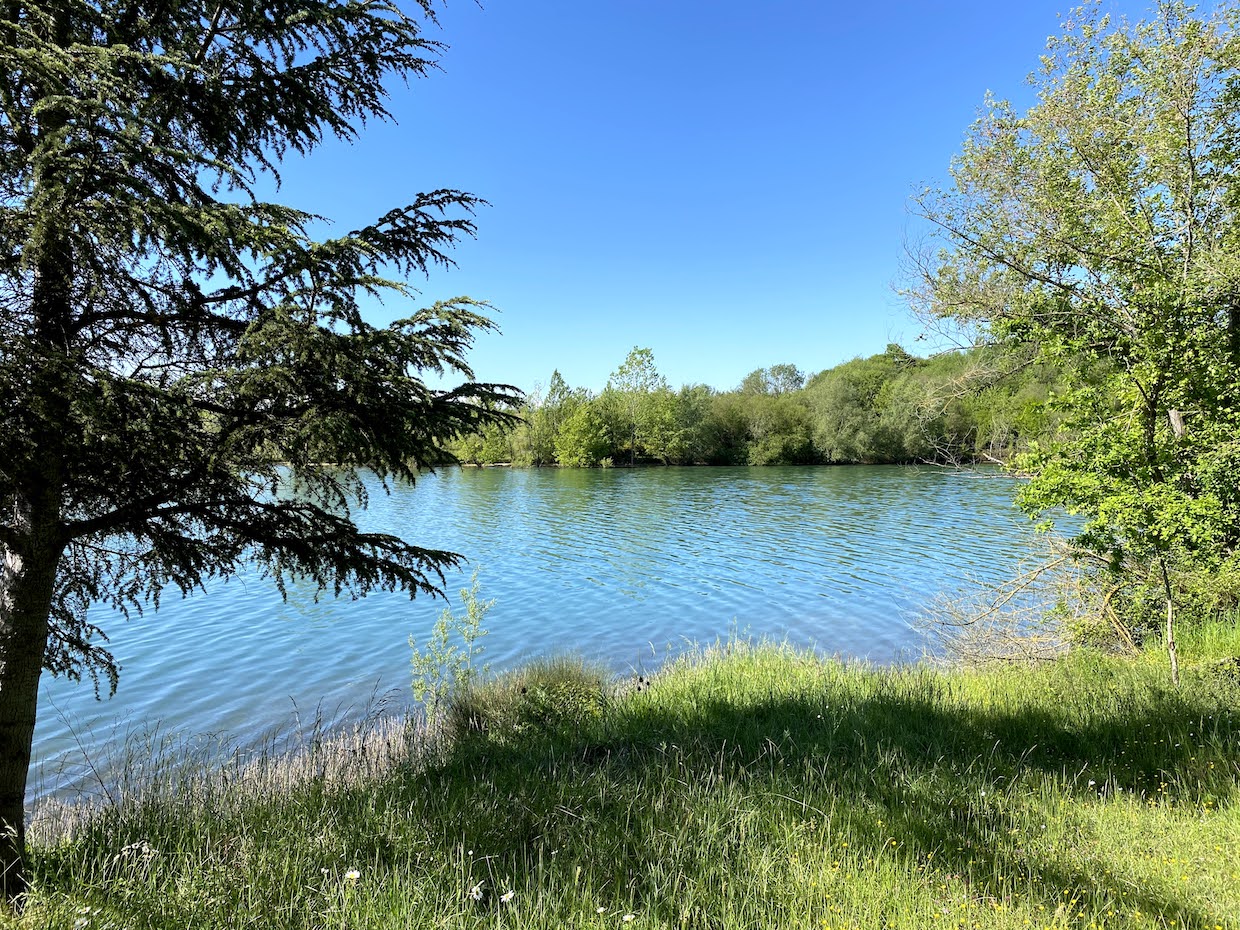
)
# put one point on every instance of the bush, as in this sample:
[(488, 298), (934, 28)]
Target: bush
[(442, 667)]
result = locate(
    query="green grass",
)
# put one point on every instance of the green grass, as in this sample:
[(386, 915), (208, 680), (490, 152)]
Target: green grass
[(745, 787)]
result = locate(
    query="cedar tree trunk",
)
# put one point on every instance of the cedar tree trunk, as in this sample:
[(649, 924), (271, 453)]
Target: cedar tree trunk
[(27, 585)]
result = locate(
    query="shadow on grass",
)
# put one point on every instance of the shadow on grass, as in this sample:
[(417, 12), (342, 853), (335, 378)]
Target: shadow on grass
[(900, 773), (669, 801)]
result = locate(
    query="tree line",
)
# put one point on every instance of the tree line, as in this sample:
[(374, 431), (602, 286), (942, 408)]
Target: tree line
[(892, 407)]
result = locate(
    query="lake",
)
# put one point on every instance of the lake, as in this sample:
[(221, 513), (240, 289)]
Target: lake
[(621, 566)]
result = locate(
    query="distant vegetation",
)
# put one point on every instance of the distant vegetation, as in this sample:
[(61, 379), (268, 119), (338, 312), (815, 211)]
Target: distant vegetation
[(893, 407)]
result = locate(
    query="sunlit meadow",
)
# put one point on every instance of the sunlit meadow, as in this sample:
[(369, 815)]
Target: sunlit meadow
[(745, 786)]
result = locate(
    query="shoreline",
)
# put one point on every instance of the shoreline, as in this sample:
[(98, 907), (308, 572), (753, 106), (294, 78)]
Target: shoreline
[(866, 794)]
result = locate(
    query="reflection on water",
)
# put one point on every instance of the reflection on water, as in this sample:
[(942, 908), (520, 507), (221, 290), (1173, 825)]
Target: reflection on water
[(620, 565)]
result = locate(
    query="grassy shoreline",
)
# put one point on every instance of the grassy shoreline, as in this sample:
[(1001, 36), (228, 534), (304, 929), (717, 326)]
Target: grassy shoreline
[(746, 786)]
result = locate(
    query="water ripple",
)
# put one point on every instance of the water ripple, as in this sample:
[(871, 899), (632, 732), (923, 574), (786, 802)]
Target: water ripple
[(620, 566)]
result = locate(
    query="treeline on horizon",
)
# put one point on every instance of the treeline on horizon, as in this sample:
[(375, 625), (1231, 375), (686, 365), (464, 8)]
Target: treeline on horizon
[(890, 408)]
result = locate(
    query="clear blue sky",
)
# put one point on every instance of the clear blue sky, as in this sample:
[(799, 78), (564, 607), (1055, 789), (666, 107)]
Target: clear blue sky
[(725, 183)]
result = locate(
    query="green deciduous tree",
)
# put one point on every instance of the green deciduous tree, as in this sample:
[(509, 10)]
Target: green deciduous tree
[(1101, 225), (632, 387), (545, 415), (177, 357), (583, 437), (779, 430), (785, 379), (778, 379), (848, 403), (699, 433)]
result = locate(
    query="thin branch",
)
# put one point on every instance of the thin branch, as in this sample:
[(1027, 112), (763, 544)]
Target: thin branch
[(209, 37)]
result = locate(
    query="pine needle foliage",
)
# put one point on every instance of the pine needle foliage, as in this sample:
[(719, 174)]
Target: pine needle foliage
[(187, 379)]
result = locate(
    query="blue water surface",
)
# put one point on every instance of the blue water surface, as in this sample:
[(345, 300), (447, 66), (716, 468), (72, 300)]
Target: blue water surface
[(621, 566)]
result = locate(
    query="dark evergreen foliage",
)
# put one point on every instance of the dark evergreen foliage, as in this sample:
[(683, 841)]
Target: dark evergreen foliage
[(187, 379)]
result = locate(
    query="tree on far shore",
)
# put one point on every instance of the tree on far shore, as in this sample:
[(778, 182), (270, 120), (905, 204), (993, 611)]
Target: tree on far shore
[(631, 388)]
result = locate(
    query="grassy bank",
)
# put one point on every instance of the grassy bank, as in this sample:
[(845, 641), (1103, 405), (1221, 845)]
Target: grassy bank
[(747, 787)]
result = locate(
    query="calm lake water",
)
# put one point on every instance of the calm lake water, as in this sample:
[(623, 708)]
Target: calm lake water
[(622, 566)]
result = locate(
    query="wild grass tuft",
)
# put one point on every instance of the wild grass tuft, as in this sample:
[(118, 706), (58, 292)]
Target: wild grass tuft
[(547, 697)]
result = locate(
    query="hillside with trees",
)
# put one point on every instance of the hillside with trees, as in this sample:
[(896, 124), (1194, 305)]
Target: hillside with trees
[(891, 408)]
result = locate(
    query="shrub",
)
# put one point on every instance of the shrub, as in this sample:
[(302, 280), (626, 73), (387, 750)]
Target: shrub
[(443, 668)]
